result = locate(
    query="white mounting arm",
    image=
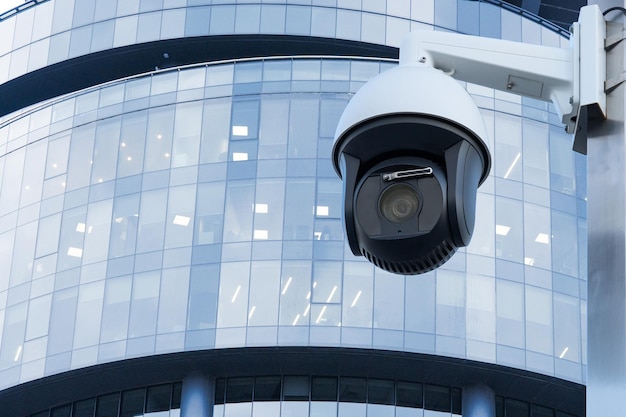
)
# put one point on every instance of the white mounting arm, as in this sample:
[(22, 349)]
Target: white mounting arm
[(570, 78)]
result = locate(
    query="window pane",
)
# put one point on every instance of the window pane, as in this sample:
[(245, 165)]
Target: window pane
[(84, 408), (32, 178), (144, 304), (179, 225), (564, 243), (303, 141), (329, 201), (62, 320), (481, 306), (536, 166), (38, 317), (239, 211), (152, 220), (174, 290), (63, 411), (245, 119), (538, 411), (437, 398), (13, 335), (203, 289), (562, 170), (380, 392), (10, 196), (509, 229), (56, 159), (451, 303), (88, 314), (295, 293), (158, 398), (323, 389), (159, 138), (48, 235), (508, 130), (106, 148), (108, 405), (408, 394), (298, 222), (215, 131), (352, 390), (510, 313), (456, 401), (267, 388), (220, 390), (566, 327), (248, 19), (97, 230), (296, 388), (274, 127), (517, 408), (187, 127), (388, 300), (420, 316), (132, 403), (331, 109), (116, 308), (123, 238), (327, 282), (358, 283), (177, 390), (132, 144), (269, 203), (209, 213), (264, 292), (71, 242), (239, 390), (539, 320), (233, 299)]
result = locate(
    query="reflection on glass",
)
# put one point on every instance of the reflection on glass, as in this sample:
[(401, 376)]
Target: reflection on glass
[(233, 294)]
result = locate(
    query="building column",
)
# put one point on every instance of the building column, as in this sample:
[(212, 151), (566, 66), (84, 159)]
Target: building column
[(478, 401), (198, 396), (606, 239)]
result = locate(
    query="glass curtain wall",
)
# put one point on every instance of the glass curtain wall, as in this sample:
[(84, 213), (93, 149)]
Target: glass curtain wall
[(197, 208)]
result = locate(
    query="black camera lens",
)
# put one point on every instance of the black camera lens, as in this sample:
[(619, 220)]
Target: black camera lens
[(398, 203)]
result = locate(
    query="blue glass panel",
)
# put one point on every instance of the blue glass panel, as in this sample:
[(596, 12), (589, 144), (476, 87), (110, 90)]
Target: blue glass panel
[(197, 23)]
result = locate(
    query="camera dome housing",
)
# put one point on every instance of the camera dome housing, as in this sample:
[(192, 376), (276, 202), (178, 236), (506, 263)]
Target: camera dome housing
[(410, 148)]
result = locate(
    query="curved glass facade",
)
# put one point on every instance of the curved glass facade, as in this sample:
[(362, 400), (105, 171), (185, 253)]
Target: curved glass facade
[(196, 207), (58, 30)]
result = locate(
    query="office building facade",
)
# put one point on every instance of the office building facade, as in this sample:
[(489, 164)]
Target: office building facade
[(171, 241)]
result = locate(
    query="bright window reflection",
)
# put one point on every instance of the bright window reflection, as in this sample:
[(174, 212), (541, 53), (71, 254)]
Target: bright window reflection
[(240, 156), (75, 252), (181, 220), (240, 130)]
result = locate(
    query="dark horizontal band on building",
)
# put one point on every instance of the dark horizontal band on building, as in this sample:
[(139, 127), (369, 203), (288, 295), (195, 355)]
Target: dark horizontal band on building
[(112, 64), (507, 382)]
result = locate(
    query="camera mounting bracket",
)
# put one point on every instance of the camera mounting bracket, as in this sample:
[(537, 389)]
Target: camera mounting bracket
[(573, 78)]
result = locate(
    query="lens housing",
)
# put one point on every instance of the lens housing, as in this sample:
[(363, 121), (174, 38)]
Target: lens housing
[(368, 155), (398, 203)]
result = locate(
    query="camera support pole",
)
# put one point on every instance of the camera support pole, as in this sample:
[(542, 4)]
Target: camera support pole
[(606, 223), (586, 85)]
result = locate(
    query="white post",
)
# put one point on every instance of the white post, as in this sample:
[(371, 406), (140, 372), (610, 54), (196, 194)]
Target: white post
[(198, 396), (606, 212), (478, 401)]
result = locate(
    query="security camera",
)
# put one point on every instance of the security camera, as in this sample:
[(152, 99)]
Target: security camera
[(410, 145), (410, 148)]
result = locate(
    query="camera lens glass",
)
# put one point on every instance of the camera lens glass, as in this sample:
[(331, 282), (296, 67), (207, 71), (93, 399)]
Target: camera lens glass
[(398, 203)]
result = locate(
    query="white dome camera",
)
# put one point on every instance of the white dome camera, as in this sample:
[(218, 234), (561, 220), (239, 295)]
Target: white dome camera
[(410, 148), (410, 145)]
